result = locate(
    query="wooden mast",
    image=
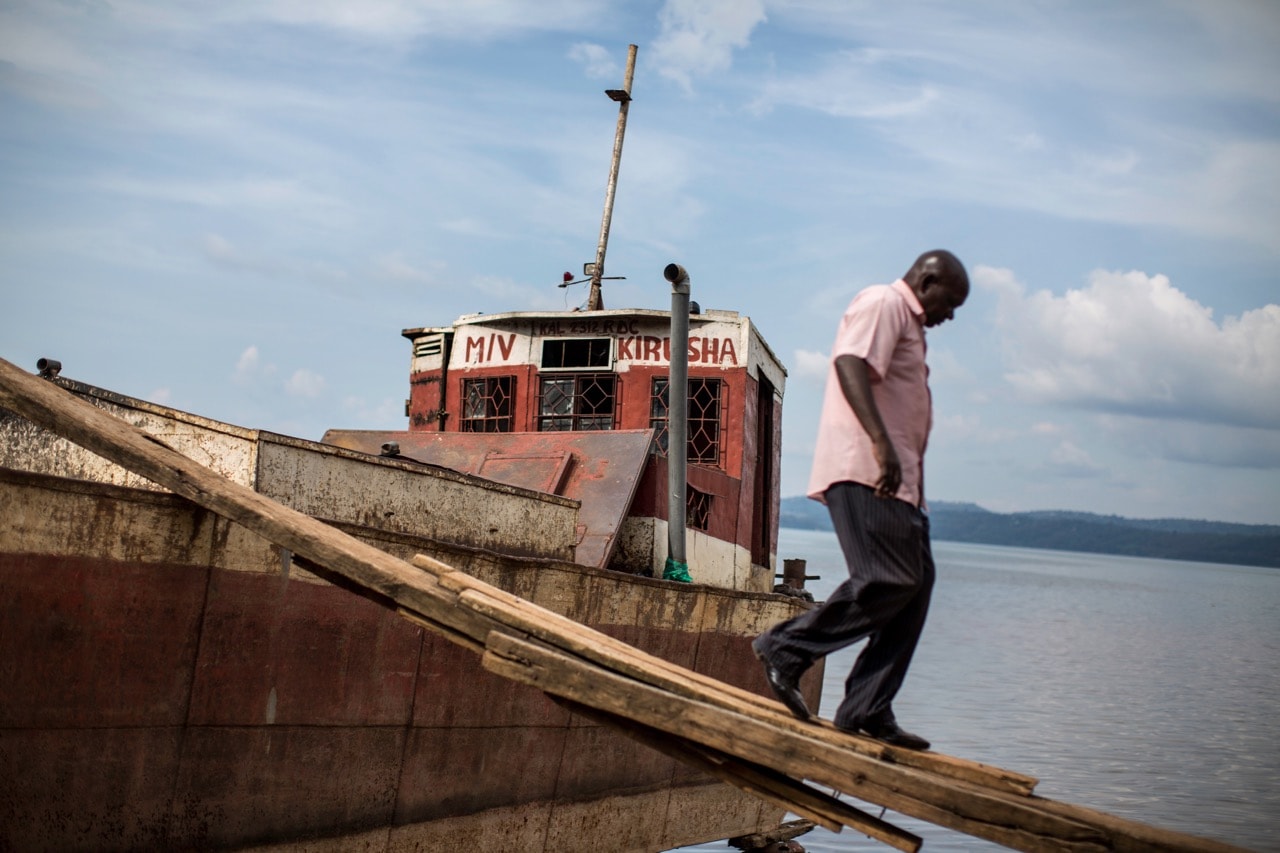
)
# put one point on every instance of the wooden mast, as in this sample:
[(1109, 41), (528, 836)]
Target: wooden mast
[(595, 301)]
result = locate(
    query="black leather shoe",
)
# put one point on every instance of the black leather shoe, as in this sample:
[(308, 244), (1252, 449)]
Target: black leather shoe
[(891, 733), (784, 688)]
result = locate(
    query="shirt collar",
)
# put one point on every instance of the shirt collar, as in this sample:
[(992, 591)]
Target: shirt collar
[(912, 301)]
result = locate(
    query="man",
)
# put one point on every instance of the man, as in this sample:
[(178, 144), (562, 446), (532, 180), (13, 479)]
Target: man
[(868, 468)]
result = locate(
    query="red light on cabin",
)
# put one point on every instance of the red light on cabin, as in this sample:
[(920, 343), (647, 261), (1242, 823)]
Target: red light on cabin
[(568, 276)]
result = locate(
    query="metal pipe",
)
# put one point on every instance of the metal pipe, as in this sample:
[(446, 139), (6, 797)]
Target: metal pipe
[(595, 301), (678, 414)]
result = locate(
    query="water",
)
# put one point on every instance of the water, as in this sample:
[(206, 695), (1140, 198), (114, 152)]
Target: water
[(1143, 688)]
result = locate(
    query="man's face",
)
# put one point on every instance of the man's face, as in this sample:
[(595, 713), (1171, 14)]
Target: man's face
[(941, 297)]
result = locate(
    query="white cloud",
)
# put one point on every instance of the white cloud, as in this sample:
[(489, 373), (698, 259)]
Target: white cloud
[(395, 267), (966, 426), (387, 413), (1236, 191), (1134, 343), (1211, 445), (1105, 165), (265, 193), (223, 253), (595, 60), (395, 20), (43, 58), (1028, 142), (501, 293), (1070, 459), (808, 364), (219, 248), (304, 383), (247, 364), (852, 84), (467, 227), (1111, 149), (698, 36), (226, 254), (946, 367)]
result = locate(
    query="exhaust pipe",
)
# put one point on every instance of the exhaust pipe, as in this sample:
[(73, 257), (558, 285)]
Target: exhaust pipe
[(677, 567)]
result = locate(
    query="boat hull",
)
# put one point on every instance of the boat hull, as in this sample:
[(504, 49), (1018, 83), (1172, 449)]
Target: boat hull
[(172, 681)]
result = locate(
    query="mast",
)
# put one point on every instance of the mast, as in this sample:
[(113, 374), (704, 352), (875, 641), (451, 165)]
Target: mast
[(623, 96)]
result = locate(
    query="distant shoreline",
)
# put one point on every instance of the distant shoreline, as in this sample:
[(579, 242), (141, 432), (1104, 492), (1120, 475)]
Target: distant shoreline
[(1168, 539)]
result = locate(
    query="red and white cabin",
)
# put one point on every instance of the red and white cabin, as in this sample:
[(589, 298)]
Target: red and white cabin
[(575, 403)]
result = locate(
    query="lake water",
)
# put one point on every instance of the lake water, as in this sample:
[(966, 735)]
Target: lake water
[(1145, 688)]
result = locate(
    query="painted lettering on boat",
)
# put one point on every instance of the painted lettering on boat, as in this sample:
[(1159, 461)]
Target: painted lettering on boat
[(480, 350), (701, 350), (617, 326), (491, 348)]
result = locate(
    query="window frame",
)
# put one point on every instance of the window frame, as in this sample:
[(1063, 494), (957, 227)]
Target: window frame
[(712, 450), (609, 361), (576, 416), (491, 400)]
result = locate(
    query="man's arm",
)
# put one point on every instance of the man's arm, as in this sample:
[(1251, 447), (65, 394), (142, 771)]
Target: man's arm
[(855, 382)]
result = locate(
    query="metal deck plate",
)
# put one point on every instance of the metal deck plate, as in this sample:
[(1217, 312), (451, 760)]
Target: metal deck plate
[(600, 470)]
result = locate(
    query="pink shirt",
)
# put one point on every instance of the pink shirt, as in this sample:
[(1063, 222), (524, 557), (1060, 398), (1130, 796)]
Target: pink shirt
[(883, 325)]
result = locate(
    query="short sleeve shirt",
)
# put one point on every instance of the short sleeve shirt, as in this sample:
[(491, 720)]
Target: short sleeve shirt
[(883, 325)]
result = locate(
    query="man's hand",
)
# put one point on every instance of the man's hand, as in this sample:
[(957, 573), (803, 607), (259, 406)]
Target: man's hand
[(890, 469), (855, 383)]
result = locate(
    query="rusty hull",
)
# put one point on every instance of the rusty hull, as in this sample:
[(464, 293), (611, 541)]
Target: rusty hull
[(172, 681)]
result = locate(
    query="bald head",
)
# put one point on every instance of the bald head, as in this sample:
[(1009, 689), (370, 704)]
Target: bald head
[(940, 282)]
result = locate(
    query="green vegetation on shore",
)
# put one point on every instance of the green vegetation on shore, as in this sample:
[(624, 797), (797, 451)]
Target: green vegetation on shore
[(1168, 539)]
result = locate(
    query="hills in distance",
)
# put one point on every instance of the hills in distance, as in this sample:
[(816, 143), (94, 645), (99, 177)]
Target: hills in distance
[(1165, 538)]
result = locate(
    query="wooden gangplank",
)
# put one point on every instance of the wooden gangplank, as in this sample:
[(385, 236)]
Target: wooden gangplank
[(746, 740)]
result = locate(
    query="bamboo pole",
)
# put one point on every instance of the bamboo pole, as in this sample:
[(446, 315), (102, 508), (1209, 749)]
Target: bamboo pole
[(595, 301)]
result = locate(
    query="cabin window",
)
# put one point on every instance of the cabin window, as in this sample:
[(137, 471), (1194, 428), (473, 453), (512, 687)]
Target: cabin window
[(487, 404), (704, 417), (697, 509), (577, 354), (582, 401)]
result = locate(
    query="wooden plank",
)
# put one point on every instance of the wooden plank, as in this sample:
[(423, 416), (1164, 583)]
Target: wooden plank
[(1011, 820), (816, 805), (1131, 836), (1017, 821), (783, 832), (796, 797), (593, 645), (436, 628)]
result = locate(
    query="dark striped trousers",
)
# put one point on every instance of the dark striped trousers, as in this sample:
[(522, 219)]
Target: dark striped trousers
[(886, 598)]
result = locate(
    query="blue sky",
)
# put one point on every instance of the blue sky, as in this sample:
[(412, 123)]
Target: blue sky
[(234, 208)]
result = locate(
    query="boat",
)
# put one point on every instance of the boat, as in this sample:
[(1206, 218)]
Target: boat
[(173, 680)]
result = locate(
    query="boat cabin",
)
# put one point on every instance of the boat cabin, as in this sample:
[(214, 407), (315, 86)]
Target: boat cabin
[(535, 399)]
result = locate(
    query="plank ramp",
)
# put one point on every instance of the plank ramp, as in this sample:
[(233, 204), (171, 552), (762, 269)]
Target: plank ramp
[(744, 739)]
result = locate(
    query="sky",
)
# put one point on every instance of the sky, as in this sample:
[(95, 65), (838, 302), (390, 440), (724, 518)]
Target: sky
[(234, 208)]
